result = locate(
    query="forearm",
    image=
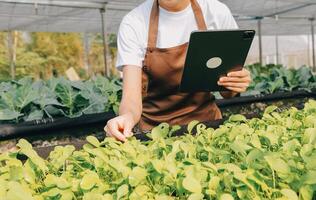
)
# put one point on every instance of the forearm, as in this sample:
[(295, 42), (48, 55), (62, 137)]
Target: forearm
[(131, 103), (131, 107)]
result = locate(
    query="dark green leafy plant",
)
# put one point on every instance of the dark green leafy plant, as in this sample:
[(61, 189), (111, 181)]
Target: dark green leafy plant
[(269, 158), (275, 78), (25, 100)]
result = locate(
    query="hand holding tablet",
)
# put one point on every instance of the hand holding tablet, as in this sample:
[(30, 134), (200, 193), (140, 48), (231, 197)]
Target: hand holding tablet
[(215, 61)]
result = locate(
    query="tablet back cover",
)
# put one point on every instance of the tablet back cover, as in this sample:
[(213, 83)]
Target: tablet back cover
[(211, 55)]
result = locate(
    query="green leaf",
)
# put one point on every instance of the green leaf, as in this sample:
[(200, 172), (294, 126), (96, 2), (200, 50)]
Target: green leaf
[(309, 136), (35, 115), (277, 164), (24, 96), (50, 180), (196, 197), (7, 114), (92, 196), (191, 184), (62, 183), (160, 131), (26, 149), (107, 197), (137, 175), (226, 197), (192, 125), (306, 192), (16, 173), (89, 180), (163, 197), (93, 140), (17, 192), (66, 95), (59, 155), (237, 118), (122, 191), (309, 178), (240, 147), (290, 194), (214, 183), (270, 109)]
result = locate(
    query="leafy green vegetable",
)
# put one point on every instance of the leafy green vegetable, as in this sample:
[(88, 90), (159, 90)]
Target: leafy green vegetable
[(25, 100), (275, 78), (269, 158)]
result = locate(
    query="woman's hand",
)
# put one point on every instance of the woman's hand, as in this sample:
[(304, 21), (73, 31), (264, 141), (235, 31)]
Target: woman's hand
[(131, 105), (237, 81), (120, 127)]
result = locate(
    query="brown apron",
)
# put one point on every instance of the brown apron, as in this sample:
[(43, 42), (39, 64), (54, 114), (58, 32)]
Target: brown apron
[(161, 77)]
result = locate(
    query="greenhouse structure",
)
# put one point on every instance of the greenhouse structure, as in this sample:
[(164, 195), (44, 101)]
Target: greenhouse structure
[(65, 133)]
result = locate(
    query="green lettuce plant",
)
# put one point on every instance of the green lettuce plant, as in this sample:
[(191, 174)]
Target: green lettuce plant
[(269, 158)]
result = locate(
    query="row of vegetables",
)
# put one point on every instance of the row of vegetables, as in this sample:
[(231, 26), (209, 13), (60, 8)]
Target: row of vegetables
[(276, 78), (268, 158), (27, 100)]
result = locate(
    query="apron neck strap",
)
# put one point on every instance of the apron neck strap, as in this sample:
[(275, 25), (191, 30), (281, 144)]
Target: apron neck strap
[(154, 21)]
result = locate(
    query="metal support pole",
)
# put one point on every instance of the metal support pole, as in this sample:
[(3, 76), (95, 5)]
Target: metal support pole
[(86, 46), (12, 40), (104, 38), (308, 51), (313, 43), (260, 41), (277, 49)]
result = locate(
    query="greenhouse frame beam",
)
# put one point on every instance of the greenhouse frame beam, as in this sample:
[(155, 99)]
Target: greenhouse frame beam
[(290, 9), (70, 4)]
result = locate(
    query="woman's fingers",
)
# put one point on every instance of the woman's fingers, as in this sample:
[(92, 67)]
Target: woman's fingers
[(113, 129), (237, 89), (107, 132), (235, 79), (127, 132), (241, 73), (234, 84), (120, 127)]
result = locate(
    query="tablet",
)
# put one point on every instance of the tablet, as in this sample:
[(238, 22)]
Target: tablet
[(211, 55)]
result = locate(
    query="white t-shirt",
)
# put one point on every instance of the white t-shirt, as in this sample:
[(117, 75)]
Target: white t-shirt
[(174, 28)]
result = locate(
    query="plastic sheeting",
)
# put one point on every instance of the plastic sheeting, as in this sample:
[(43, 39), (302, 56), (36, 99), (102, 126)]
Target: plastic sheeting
[(280, 17), (291, 51), (54, 16)]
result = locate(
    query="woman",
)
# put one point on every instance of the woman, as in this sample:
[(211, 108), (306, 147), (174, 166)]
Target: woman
[(152, 43)]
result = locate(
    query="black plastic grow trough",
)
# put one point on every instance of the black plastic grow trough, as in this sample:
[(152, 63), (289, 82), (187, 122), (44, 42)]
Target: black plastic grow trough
[(95, 122)]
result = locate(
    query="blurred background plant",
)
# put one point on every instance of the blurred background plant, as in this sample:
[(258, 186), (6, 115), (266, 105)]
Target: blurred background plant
[(44, 55)]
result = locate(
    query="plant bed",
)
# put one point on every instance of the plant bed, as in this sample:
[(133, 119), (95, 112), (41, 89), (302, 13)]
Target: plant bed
[(84, 123), (258, 103), (259, 107), (65, 130), (268, 158), (44, 143)]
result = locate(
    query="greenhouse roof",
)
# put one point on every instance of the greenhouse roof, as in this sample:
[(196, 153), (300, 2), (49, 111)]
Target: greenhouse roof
[(284, 17)]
